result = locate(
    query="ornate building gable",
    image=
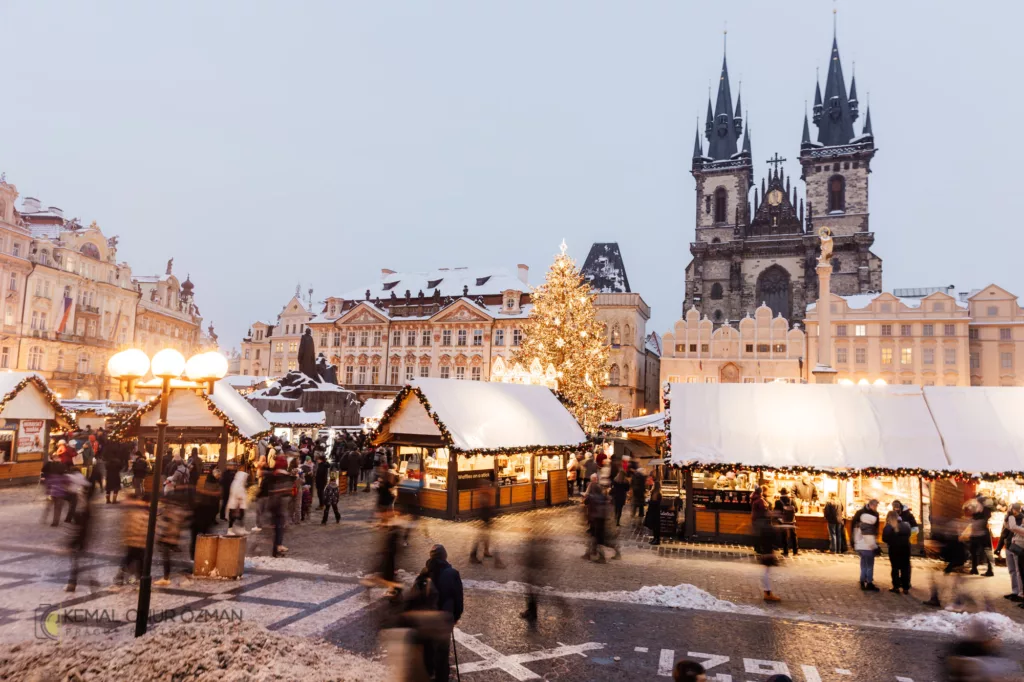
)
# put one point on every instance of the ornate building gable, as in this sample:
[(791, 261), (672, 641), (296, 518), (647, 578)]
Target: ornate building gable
[(463, 310), (775, 209), (363, 313)]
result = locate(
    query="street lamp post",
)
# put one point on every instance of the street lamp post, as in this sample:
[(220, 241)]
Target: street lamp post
[(129, 366)]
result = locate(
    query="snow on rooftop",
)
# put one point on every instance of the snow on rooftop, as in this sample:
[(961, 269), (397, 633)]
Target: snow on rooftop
[(374, 408), (245, 417), (605, 270), (654, 421), (296, 418), (861, 301), (450, 282), (485, 415)]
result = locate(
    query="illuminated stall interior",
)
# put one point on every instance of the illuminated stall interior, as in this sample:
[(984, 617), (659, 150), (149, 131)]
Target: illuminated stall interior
[(462, 446), (291, 426), (29, 413)]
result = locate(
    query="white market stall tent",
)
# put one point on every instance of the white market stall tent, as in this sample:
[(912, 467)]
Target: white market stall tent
[(466, 445), (29, 411), (812, 441), (982, 427), (194, 418), (289, 425), (646, 423), (810, 426), (372, 410)]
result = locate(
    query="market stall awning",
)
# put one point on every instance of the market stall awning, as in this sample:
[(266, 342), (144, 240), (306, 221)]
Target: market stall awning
[(478, 416), (25, 395), (982, 427), (648, 422), (187, 409), (374, 408), (295, 419), (823, 427)]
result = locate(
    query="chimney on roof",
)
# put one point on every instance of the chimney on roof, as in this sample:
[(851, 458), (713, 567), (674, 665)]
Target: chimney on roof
[(384, 272), (524, 273), (30, 205)]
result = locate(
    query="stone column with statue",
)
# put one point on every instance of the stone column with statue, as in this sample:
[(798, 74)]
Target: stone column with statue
[(823, 371)]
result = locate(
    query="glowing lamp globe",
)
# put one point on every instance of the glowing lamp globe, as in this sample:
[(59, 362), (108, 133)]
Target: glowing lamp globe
[(863, 382), (881, 382), (846, 382), (206, 366), (131, 363), (168, 364)]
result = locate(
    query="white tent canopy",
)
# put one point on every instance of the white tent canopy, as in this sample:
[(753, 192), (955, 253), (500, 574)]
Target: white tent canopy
[(488, 415), (813, 426), (982, 428), (654, 421), (187, 409)]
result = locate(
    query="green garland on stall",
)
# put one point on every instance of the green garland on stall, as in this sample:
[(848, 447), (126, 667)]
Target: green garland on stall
[(927, 474), (119, 430), (50, 396), (446, 435)]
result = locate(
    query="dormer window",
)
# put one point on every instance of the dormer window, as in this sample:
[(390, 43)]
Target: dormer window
[(511, 302)]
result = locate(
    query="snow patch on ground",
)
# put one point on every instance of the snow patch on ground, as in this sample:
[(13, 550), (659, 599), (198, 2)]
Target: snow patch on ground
[(682, 596), (269, 563), (954, 623)]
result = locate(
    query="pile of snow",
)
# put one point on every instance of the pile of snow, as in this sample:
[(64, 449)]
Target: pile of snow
[(187, 652), (683, 596), (955, 623), (268, 563)]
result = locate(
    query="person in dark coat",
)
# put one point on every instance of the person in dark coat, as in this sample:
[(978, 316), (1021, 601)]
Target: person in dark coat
[(330, 498), (653, 518), (225, 488), (448, 584), (785, 512), (195, 467), (638, 487), (204, 508), (764, 538), (620, 489), (835, 518), (896, 535), (113, 463), (323, 470), (78, 537), (366, 468), (353, 465)]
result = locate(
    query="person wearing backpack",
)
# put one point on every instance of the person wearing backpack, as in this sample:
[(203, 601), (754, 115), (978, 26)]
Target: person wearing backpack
[(865, 542), (448, 583), (1014, 526), (785, 510)]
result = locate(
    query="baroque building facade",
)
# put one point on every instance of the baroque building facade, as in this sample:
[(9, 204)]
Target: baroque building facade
[(632, 361), (168, 317), (272, 348), (996, 337), (748, 253)]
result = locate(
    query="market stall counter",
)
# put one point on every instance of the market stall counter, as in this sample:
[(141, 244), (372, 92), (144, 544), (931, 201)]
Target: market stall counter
[(29, 412), (465, 446)]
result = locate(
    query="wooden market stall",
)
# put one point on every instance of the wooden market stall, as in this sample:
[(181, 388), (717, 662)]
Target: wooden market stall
[(291, 426), (854, 442), (29, 412), (462, 444), (222, 424)]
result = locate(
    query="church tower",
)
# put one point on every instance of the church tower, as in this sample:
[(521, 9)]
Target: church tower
[(724, 176), (836, 166)]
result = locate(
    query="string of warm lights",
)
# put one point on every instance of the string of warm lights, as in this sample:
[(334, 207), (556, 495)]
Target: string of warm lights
[(50, 396)]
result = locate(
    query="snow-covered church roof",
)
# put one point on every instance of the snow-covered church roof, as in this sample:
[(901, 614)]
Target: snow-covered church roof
[(605, 270)]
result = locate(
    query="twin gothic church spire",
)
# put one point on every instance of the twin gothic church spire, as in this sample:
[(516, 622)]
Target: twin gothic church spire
[(724, 126)]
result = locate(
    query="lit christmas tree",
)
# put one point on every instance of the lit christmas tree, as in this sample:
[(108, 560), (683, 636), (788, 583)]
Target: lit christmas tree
[(564, 332)]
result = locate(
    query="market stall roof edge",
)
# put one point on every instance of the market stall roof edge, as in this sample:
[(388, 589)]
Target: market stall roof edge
[(12, 383), (484, 417), (295, 419), (648, 422)]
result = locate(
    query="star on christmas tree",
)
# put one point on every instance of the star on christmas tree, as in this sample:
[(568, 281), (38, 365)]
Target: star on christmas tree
[(564, 332)]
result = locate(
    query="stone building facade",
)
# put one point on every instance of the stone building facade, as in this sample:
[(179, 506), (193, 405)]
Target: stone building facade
[(167, 315), (624, 314), (996, 337), (760, 349), (272, 349), (901, 340), (748, 253)]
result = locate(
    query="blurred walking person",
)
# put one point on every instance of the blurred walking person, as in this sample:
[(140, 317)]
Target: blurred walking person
[(764, 539), (55, 481), (330, 497), (81, 526), (238, 499), (134, 528), (448, 584), (279, 491), (981, 538), (865, 542), (638, 491), (653, 519), (205, 502), (172, 516), (1014, 529), (482, 542), (140, 470), (836, 518), (620, 489)]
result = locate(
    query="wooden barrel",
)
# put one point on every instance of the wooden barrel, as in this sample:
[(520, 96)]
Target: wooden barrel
[(206, 555), (230, 556)]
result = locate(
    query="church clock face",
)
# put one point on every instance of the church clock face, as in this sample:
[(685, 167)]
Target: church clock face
[(775, 197)]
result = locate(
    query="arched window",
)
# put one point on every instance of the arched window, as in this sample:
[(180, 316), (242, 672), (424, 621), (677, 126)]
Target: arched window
[(718, 316), (836, 265), (60, 360), (626, 335), (616, 336), (836, 193), (716, 240), (35, 357), (83, 364), (773, 289), (90, 250), (720, 205), (716, 291), (625, 374), (613, 376)]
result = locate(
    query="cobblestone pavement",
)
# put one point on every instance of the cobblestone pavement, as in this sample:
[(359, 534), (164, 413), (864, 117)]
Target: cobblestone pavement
[(316, 592)]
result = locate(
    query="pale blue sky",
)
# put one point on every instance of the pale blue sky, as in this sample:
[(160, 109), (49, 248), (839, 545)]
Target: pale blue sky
[(263, 144)]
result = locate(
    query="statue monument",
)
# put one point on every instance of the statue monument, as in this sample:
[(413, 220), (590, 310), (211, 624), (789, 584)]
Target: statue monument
[(823, 371), (307, 356)]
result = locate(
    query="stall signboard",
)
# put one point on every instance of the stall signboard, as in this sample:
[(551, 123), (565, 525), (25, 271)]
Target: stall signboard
[(725, 500), (558, 486), (668, 521), (31, 435), (468, 480)]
